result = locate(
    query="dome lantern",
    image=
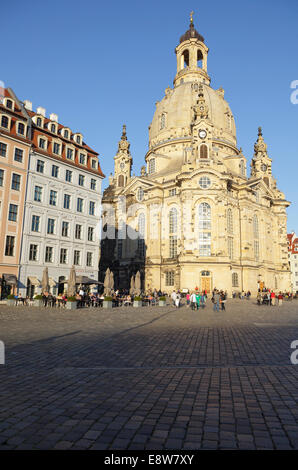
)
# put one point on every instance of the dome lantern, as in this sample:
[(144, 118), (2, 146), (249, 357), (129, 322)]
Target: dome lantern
[(191, 57)]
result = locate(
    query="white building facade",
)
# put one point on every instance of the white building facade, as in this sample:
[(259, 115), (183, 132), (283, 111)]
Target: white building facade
[(62, 214)]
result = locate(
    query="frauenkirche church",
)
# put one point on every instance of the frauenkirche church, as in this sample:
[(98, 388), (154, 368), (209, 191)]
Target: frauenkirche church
[(201, 220)]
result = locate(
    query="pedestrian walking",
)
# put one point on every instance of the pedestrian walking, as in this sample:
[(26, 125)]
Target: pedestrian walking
[(173, 296), (198, 298), (193, 301), (216, 297)]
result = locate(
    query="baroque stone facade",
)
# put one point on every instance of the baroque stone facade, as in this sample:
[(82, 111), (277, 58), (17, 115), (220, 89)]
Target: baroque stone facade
[(199, 220)]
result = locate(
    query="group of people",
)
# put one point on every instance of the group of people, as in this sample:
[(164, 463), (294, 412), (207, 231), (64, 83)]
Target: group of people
[(196, 300), (269, 297)]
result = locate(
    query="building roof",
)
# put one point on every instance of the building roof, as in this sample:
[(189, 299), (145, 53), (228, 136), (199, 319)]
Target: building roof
[(191, 33)]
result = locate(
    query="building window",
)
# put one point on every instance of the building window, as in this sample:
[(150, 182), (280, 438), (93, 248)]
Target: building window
[(4, 122), (16, 182), (81, 180), (56, 148), (203, 151), (170, 278), (235, 281), (204, 182), (9, 104), (242, 168), (66, 202), (42, 143), (93, 164), (38, 122), (162, 121), (151, 166), (9, 246), (78, 139), (66, 134), (173, 246), (76, 257), (53, 128), (93, 184), (173, 221), (230, 221), (90, 234), (55, 171), (89, 260), (121, 181), (82, 159), (40, 166), (18, 155), (53, 198), (141, 235), (230, 247), (1, 177), (69, 154), (63, 256), (78, 232), (204, 226), (80, 205), (49, 254), (256, 226), (35, 223), (68, 176), (256, 250), (172, 192), (33, 253), (13, 212), (51, 226), (21, 128), (91, 208), (37, 193), (3, 149), (65, 227)]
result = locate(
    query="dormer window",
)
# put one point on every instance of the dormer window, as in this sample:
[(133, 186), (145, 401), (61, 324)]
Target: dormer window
[(4, 122), (69, 154), (82, 159), (42, 143), (21, 128), (66, 134), (93, 164), (9, 104), (56, 148), (53, 128), (39, 122), (78, 139)]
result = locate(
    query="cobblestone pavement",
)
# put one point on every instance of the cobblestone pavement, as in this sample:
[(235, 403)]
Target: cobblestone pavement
[(149, 378)]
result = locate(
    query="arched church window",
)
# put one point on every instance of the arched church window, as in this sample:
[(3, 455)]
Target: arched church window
[(203, 151), (204, 229), (162, 121), (256, 226), (173, 221), (151, 168), (141, 238), (235, 280), (230, 220), (121, 180)]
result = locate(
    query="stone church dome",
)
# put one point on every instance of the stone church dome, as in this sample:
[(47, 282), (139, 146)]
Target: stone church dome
[(174, 114)]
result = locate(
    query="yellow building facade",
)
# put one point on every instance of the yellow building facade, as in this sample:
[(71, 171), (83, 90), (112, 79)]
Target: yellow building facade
[(194, 218)]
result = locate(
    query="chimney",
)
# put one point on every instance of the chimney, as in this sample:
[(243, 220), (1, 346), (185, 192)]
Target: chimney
[(28, 105), (41, 111), (54, 117)]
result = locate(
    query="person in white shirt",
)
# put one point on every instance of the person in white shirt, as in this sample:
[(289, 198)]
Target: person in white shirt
[(193, 301), (174, 296)]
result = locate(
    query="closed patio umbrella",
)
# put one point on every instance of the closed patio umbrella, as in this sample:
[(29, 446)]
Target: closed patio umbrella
[(107, 289), (132, 286), (111, 281), (71, 288), (138, 283), (45, 285)]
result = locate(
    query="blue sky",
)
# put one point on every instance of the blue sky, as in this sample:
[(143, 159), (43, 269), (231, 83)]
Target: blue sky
[(99, 65)]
